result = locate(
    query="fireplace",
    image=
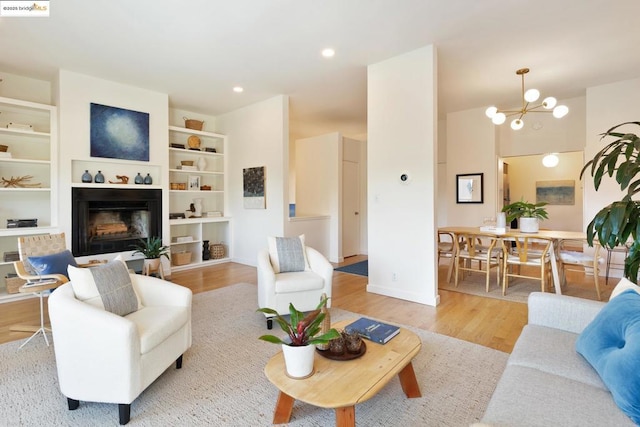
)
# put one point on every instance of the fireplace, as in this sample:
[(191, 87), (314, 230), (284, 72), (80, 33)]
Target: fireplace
[(106, 220)]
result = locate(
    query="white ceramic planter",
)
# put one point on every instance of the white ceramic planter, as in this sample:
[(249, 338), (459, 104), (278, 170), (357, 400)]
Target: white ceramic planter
[(299, 360), (529, 225)]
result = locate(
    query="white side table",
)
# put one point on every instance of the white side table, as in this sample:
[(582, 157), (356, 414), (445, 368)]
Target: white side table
[(39, 290)]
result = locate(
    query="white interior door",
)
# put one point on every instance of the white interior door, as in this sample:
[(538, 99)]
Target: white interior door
[(350, 208)]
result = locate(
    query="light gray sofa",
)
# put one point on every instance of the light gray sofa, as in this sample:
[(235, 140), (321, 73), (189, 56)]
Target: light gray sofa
[(546, 382)]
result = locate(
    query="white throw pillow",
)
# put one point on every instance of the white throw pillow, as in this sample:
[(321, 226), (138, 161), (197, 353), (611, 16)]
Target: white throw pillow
[(85, 288), (622, 286), (288, 254)]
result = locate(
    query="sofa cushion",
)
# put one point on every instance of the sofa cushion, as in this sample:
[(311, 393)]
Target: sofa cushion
[(527, 397), (611, 344), (553, 351), (287, 254), (298, 281), (52, 264), (156, 324), (85, 288), (623, 285)]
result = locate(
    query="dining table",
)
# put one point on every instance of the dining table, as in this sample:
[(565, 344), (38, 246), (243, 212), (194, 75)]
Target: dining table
[(554, 235)]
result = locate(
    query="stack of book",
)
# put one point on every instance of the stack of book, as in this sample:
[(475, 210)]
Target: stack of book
[(212, 214), (373, 330)]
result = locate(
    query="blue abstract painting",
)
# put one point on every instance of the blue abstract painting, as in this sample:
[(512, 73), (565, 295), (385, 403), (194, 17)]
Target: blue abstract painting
[(558, 192), (117, 133)]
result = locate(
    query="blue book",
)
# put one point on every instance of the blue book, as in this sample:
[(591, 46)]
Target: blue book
[(373, 330)]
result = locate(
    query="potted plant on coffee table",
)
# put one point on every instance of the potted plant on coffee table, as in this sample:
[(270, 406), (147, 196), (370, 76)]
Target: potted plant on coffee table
[(302, 331), (152, 249), (528, 215), (618, 224)]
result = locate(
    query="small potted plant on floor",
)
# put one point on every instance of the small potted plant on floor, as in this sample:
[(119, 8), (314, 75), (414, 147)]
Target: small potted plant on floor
[(528, 215), (152, 249), (302, 336)]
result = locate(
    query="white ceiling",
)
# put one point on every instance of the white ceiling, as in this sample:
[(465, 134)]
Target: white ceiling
[(197, 50)]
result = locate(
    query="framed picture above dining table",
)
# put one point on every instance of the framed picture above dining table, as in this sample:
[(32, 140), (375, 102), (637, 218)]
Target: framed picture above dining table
[(470, 188)]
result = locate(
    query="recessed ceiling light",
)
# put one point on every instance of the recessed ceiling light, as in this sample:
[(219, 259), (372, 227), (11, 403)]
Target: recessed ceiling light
[(328, 52), (238, 89)]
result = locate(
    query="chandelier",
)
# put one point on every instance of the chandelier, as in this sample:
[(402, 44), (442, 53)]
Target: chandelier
[(548, 105)]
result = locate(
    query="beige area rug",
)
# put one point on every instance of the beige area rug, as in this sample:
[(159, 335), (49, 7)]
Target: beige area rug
[(519, 289), (222, 382)]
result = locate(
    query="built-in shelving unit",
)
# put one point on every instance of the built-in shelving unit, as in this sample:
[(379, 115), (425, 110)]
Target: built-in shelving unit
[(33, 154), (208, 170)]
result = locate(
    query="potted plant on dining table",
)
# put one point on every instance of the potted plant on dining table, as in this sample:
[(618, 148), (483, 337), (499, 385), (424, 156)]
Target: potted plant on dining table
[(528, 215), (302, 332)]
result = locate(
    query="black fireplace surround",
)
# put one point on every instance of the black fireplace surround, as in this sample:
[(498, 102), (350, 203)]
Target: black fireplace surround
[(107, 220)]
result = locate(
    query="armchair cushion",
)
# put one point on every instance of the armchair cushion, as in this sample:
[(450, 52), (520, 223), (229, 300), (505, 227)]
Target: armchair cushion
[(298, 282), (287, 254), (107, 286), (156, 324), (611, 344), (52, 264)]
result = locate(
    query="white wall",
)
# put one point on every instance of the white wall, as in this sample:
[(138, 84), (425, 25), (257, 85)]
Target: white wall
[(75, 92), (318, 184), (258, 136), (524, 171), (471, 148), (402, 133)]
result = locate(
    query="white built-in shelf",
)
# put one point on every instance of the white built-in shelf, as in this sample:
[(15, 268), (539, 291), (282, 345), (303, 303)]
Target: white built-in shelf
[(26, 132), (119, 186), (196, 132), (25, 189), (30, 161)]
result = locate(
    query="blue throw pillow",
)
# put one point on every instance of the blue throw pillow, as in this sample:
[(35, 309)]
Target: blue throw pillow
[(611, 344), (53, 264)]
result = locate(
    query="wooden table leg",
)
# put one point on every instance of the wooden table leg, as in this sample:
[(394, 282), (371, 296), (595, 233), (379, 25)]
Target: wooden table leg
[(284, 406), (408, 381), (346, 417)]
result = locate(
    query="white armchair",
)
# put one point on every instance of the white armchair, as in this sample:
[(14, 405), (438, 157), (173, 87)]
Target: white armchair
[(302, 288), (104, 357)]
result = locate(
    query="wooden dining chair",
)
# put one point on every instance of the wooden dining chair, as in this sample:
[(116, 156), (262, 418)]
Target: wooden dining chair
[(573, 257), (446, 249), (477, 253), (529, 252)]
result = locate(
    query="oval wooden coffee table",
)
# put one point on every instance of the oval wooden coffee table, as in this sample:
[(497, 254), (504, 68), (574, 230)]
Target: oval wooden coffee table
[(340, 385)]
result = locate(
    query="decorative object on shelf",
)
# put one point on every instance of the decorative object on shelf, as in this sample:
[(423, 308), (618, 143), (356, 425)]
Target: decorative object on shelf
[(176, 215), (5, 155), (174, 145), (186, 162), (122, 179), (19, 182), (217, 250), (99, 178), (528, 215), (253, 188), (181, 258), (303, 334), (117, 133), (193, 142), (206, 251), (178, 186), (3, 148), (197, 211), (205, 188), (87, 177), (213, 214), (325, 326), (20, 126), (19, 223), (193, 124), (194, 182), (202, 163), (148, 180), (210, 150), (138, 179), (498, 117)]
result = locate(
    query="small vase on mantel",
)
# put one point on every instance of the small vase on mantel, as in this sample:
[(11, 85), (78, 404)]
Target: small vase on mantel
[(138, 179), (99, 179), (148, 180), (86, 177)]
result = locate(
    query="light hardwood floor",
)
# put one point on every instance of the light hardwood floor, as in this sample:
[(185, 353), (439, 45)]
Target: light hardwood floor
[(489, 322)]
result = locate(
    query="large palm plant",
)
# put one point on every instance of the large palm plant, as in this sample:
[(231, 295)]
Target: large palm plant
[(615, 223)]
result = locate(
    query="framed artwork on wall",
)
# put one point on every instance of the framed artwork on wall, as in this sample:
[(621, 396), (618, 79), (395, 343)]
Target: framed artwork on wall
[(253, 186), (469, 188), (117, 133), (556, 192)]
